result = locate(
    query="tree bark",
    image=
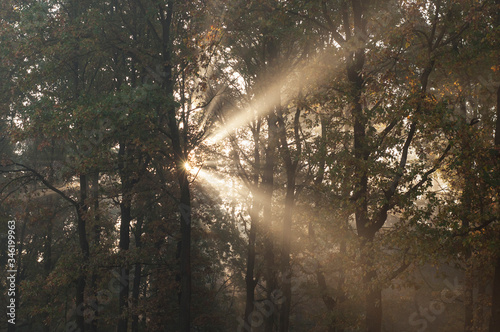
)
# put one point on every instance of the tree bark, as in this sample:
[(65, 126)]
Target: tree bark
[(469, 180), (97, 238), (250, 280), (185, 254), (286, 270), (271, 56), (84, 246), (495, 303), (137, 276), (180, 156), (268, 186), (291, 169), (124, 244)]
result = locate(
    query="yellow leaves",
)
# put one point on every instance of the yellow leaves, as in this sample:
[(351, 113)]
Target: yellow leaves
[(212, 35), (495, 68), (457, 85)]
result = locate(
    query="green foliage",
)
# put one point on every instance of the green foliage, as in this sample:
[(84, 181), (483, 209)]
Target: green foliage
[(114, 94)]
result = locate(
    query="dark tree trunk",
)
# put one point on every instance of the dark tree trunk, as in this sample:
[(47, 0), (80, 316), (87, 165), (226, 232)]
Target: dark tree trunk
[(329, 301), (137, 277), (363, 224), (373, 307), (97, 238), (366, 231), (74, 13), (84, 246), (124, 244), (291, 169), (495, 305), (250, 280), (469, 180), (185, 254), (468, 296), (124, 270), (180, 155), (286, 270), (47, 257), (268, 186)]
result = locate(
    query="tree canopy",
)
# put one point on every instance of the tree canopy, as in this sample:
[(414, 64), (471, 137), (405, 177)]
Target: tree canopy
[(259, 165)]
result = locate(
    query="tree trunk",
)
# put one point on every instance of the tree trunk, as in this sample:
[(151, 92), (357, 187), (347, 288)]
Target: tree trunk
[(373, 307), (366, 232), (97, 238), (268, 186), (466, 200), (74, 13), (363, 224), (185, 255), (468, 296), (495, 303), (286, 271), (250, 280), (137, 276), (47, 257), (330, 302), (124, 245), (84, 246), (291, 169), (180, 155)]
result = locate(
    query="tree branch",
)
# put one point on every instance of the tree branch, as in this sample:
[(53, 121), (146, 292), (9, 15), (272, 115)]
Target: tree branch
[(42, 179)]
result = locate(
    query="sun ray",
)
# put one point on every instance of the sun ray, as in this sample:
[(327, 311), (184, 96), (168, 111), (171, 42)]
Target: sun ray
[(226, 185), (285, 87)]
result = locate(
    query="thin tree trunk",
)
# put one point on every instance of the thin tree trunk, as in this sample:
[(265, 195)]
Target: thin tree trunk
[(322, 151), (97, 238), (268, 186), (466, 173), (286, 271), (468, 296), (291, 169), (47, 257), (124, 244), (185, 255), (83, 208), (137, 276), (495, 305), (84, 246), (250, 280)]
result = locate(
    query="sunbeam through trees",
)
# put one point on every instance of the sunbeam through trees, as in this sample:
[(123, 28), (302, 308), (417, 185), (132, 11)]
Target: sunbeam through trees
[(258, 165)]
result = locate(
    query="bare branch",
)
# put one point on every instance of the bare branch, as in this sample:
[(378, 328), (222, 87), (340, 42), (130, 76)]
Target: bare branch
[(42, 179)]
